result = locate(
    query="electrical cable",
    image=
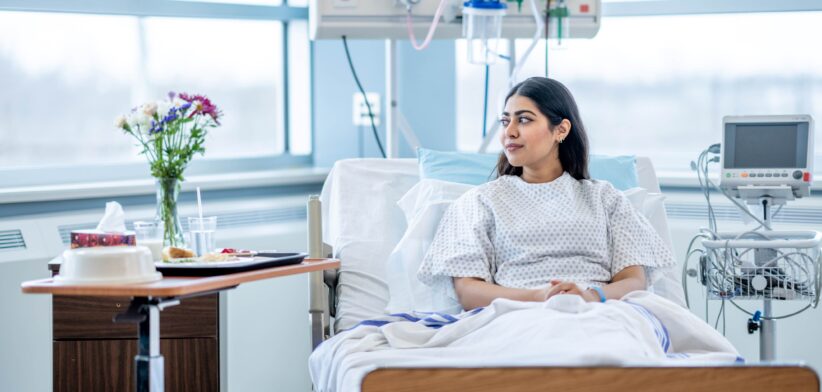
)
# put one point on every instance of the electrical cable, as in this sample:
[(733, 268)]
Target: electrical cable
[(718, 314), (365, 97)]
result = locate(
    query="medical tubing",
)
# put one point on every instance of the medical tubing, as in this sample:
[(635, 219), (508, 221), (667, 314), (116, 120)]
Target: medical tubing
[(521, 61), (362, 91), (772, 317), (721, 311), (431, 29), (485, 102), (703, 168), (547, 29), (702, 172), (712, 215), (708, 181)]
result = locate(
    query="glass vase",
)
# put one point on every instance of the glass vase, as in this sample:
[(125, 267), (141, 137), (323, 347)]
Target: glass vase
[(168, 189)]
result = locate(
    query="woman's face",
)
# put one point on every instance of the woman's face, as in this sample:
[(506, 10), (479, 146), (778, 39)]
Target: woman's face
[(527, 138)]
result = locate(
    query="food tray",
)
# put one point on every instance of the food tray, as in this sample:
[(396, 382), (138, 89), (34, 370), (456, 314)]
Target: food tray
[(211, 268)]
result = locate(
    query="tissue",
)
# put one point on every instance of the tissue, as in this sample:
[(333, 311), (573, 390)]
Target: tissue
[(111, 231), (114, 220)]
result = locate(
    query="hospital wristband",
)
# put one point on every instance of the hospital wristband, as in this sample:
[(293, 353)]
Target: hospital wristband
[(600, 292)]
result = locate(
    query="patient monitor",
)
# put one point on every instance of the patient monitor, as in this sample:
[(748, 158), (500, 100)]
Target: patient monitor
[(767, 156)]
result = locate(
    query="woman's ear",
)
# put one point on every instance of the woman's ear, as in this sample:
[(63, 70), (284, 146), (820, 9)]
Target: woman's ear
[(563, 129)]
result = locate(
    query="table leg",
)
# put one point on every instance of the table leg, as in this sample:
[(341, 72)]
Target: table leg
[(148, 364)]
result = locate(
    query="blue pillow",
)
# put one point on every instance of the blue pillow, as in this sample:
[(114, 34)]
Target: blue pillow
[(462, 167), (475, 169), (619, 170)]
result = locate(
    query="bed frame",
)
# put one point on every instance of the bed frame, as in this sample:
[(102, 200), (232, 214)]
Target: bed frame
[(756, 378), (792, 377), (748, 378)]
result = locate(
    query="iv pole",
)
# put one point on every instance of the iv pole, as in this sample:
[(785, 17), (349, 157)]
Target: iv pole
[(394, 120)]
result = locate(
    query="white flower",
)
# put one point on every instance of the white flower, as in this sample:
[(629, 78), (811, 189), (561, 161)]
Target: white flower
[(163, 107), (140, 121), (149, 109), (120, 121)]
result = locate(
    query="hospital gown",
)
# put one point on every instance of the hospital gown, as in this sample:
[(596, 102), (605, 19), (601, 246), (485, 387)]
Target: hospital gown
[(522, 235)]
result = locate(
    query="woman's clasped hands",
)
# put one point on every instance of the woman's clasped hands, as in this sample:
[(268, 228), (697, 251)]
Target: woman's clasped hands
[(560, 287)]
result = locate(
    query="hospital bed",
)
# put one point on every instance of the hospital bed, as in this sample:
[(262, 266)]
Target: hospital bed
[(363, 223)]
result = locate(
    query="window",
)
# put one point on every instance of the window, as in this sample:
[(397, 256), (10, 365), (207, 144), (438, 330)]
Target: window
[(659, 85), (66, 76)]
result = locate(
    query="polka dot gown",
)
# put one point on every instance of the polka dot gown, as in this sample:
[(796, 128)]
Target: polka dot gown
[(522, 235)]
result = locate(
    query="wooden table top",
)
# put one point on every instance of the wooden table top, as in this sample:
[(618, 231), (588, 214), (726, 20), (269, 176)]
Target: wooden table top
[(175, 286)]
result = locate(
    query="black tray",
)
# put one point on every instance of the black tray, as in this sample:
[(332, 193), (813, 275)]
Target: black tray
[(261, 260)]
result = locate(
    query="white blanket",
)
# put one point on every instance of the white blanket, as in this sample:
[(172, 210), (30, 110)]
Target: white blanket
[(642, 328)]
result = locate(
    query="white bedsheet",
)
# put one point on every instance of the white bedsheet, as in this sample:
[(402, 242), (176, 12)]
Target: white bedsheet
[(642, 328)]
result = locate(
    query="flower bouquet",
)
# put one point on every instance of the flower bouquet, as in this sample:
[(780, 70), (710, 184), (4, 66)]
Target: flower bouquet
[(170, 132)]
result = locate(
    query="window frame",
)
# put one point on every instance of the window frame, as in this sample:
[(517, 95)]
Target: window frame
[(692, 7), (51, 175)]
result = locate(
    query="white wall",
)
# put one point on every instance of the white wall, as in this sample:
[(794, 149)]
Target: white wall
[(25, 329), (266, 330)]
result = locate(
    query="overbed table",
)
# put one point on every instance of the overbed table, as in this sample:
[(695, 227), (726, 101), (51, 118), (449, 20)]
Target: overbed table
[(148, 299)]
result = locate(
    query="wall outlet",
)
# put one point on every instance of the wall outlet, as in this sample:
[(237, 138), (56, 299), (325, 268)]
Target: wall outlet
[(361, 117)]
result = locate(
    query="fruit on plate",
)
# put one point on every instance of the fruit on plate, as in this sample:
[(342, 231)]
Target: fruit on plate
[(237, 252)]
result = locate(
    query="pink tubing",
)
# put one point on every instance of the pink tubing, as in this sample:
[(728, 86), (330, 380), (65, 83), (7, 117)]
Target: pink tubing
[(431, 29)]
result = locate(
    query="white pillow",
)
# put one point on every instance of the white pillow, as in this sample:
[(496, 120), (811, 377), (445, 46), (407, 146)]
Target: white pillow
[(362, 222), (424, 206)]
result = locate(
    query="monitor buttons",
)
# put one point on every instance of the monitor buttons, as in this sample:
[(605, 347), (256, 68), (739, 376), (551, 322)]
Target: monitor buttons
[(768, 175), (797, 174)]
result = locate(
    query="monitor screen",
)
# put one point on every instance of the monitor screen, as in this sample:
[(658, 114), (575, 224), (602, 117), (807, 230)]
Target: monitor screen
[(766, 145)]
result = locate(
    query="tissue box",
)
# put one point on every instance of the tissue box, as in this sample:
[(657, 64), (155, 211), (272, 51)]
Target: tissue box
[(93, 238)]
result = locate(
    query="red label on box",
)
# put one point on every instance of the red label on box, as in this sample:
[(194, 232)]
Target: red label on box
[(94, 238)]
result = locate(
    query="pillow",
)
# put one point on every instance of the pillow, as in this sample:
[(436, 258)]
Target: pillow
[(668, 283), (424, 206), (619, 170), (363, 230), (475, 169), (461, 167)]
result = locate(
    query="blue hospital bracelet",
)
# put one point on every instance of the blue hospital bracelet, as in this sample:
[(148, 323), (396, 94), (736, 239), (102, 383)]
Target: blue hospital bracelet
[(601, 293)]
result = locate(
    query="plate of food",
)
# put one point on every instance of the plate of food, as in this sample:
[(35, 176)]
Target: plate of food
[(183, 262)]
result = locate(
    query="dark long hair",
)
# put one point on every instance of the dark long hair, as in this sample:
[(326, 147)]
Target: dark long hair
[(554, 101)]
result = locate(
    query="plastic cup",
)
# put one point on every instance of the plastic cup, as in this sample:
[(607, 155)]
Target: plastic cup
[(201, 234), (150, 235)]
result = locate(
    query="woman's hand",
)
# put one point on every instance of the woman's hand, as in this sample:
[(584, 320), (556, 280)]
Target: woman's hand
[(560, 287)]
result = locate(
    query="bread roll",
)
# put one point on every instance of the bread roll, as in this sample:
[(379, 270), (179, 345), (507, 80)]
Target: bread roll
[(171, 252)]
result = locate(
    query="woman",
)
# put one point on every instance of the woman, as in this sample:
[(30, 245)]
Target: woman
[(542, 228)]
